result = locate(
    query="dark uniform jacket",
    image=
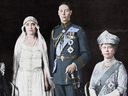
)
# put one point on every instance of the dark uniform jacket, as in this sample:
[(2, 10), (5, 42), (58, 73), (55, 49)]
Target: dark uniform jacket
[(74, 50)]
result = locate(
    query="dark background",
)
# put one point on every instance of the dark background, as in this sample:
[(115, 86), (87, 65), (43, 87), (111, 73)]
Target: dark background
[(94, 16)]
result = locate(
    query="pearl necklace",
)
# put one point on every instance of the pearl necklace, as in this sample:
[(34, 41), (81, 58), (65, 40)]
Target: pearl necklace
[(108, 63)]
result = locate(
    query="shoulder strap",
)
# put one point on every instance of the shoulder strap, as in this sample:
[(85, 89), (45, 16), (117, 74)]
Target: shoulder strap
[(106, 75)]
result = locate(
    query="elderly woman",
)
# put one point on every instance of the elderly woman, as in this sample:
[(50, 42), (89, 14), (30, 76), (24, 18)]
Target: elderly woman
[(31, 66), (109, 77)]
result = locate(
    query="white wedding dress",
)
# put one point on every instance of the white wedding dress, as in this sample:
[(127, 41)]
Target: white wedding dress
[(30, 78)]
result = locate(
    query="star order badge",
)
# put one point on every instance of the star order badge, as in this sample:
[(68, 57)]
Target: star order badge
[(70, 49), (63, 31)]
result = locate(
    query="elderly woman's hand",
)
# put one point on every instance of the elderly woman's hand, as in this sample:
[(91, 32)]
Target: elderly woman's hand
[(92, 92), (113, 93)]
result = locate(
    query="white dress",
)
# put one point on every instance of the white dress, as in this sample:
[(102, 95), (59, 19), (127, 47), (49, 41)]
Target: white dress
[(30, 78)]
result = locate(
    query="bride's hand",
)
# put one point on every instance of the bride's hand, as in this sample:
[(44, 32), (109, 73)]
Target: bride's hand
[(47, 85)]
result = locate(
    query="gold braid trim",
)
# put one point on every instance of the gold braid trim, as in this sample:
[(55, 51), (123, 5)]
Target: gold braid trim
[(57, 38)]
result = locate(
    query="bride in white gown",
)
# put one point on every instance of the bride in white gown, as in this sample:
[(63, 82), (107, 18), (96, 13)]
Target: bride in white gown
[(31, 66)]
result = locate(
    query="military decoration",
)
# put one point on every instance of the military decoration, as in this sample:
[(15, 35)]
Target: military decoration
[(63, 31), (70, 49)]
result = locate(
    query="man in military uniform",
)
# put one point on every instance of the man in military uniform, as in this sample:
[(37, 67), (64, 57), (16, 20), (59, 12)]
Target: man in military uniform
[(69, 52)]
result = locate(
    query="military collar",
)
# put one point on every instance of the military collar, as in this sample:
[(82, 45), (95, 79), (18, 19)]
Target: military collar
[(64, 26)]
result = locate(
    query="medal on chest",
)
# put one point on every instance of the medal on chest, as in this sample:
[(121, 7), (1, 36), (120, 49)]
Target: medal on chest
[(70, 48)]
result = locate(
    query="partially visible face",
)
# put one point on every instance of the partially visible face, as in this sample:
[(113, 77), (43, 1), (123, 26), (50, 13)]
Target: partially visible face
[(64, 13), (30, 28), (107, 50)]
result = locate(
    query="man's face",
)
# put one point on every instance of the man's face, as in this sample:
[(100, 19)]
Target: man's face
[(64, 13)]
